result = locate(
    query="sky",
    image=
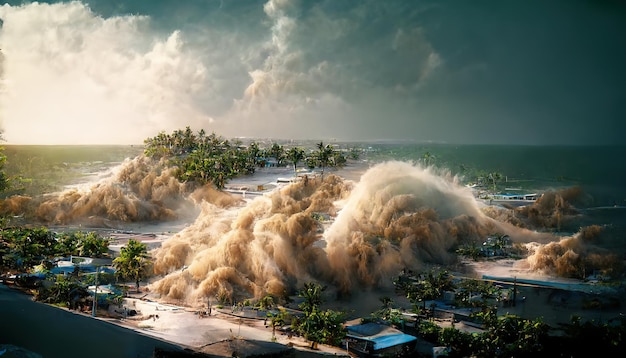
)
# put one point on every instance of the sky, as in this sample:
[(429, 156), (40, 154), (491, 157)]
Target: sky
[(467, 72)]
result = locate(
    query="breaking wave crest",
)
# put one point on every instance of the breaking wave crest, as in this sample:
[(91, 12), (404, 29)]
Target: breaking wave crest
[(397, 216), (344, 234), (140, 190)]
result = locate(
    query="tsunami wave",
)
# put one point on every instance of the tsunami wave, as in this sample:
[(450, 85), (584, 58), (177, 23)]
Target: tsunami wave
[(348, 235)]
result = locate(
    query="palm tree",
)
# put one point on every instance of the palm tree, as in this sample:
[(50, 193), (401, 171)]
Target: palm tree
[(295, 155), (253, 154), (495, 177), (278, 152), (324, 153), (318, 326), (133, 262)]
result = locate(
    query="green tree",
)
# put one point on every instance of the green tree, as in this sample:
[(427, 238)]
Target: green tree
[(278, 152), (430, 286), (470, 250), (159, 146), (133, 262), (90, 244), (295, 155), (468, 289), (277, 320), (461, 344), (323, 155), (355, 153), (338, 159), (27, 246), (253, 155), (318, 326), (65, 291), (387, 313), (495, 177), (5, 249), (312, 296), (265, 303), (512, 336), (66, 245)]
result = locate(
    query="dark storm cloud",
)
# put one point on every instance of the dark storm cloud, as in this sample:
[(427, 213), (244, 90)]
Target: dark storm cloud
[(552, 69), (529, 72)]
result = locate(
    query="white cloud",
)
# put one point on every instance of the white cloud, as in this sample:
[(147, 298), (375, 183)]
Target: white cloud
[(74, 77)]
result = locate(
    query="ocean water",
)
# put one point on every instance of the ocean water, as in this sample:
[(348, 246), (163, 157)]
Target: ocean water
[(50, 168), (598, 170)]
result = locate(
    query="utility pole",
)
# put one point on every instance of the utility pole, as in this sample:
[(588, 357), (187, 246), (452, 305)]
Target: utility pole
[(95, 295)]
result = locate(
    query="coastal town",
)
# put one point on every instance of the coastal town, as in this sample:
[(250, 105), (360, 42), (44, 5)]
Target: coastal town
[(312, 179), (157, 279), (411, 317), (420, 305)]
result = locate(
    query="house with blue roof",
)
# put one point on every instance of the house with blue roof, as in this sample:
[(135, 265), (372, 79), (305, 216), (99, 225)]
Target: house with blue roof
[(378, 340)]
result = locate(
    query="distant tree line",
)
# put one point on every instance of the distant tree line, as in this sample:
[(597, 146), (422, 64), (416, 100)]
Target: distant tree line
[(203, 159)]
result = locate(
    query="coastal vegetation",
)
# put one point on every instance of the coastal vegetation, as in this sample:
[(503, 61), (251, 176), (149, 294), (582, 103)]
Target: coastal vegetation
[(133, 263), (500, 335), (201, 159), (31, 254), (4, 180), (21, 248), (315, 324)]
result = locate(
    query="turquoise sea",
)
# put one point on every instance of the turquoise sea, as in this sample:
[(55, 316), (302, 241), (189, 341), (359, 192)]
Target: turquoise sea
[(599, 170)]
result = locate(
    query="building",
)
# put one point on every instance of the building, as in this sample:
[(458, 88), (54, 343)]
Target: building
[(377, 340)]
